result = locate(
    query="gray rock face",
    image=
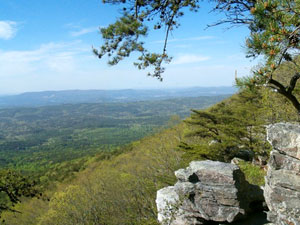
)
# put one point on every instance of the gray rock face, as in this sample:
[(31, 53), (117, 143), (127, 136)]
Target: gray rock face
[(207, 191), (282, 189)]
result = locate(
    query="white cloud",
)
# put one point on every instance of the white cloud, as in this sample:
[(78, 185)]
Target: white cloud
[(207, 74), (199, 38), (8, 29), (182, 46), (55, 57), (189, 58), (72, 25), (84, 31)]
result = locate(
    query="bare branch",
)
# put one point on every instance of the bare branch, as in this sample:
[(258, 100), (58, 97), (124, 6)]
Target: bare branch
[(293, 82), (288, 94)]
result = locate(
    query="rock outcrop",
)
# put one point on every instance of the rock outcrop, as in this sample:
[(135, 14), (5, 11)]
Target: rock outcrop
[(207, 192), (282, 189)]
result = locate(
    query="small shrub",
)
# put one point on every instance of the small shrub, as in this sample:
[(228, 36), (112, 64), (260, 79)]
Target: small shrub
[(254, 174)]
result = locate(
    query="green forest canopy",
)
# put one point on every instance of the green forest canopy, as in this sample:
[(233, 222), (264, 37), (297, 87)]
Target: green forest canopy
[(50, 144)]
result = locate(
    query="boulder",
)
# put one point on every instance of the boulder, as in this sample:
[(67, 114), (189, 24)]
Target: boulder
[(206, 192), (236, 161), (282, 189)]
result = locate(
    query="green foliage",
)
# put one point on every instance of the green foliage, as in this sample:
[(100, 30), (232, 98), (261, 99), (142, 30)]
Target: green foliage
[(54, 144), (274, 31), (278, 108), (275, 35), (26, 212), (123, 185), (254, 174), (124, 36), (226, 129), (123, 182), (13, 186)]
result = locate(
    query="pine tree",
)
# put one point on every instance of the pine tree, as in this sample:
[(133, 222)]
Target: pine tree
[(228, 128)]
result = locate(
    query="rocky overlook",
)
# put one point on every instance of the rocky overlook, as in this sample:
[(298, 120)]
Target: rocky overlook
[(206, 192), (210, 192)]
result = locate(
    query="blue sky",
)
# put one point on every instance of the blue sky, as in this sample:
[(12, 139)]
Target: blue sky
[(47, 45)]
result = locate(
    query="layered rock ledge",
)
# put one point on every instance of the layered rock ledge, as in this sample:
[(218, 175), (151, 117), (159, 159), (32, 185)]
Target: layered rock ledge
[(207, 192), (282, 189)]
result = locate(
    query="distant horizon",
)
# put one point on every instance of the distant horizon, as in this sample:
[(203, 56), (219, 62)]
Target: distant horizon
[(40, 52), (116, 89)]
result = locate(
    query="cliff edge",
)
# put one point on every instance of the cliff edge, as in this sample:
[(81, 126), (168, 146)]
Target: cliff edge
[(282, 188)]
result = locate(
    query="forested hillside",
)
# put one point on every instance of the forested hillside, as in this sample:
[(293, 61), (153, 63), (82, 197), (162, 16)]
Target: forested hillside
[(34, 138), (123, 183)]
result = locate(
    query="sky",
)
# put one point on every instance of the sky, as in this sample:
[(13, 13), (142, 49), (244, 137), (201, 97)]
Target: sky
[(47, 45)]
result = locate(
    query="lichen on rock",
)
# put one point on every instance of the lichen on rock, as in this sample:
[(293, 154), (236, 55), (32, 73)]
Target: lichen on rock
[(206, 192), (282, 189)]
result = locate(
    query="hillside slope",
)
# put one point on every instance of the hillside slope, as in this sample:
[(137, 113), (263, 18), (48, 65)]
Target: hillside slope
[(124, 184)]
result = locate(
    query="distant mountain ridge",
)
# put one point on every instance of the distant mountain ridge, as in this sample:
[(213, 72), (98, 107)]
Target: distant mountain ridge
[(44, 98)]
